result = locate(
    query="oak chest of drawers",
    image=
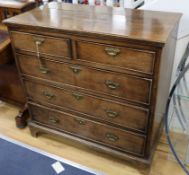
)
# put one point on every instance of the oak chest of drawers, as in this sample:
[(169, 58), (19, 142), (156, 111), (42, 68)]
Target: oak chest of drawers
[(97, 75)]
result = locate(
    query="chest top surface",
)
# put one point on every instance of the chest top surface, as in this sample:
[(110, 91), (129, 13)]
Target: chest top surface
[(115, 22)]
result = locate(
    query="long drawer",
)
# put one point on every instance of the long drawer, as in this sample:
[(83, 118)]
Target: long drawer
[(90, 130), (116, 56), (59, 47), (99, 81), (124, 115)]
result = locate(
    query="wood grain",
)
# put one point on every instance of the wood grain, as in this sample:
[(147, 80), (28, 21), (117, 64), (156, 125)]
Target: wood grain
[(27, 42), (126, 58), (122, 114), (99, 81), (88, 20), (162, 163), (89, 130), (143, 84)]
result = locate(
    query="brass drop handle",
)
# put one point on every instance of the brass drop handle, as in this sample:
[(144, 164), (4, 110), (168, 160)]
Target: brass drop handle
[(111, 51), (80, 122), (38, 42), (112, 114), (111, 84), (75, 69), (48, 95), (111, 137), (77, 96), (53, 120)]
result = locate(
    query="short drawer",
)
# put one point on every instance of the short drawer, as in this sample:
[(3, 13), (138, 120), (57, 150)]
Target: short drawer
[(59, 47), (127, 116), (90, 130), (99, 81), (117, 56)]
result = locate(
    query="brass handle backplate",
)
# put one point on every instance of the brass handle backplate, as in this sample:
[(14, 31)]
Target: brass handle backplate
[(77, 96), (53, 120), (112, 51), (44, 70), (38, 40), (80, 122), (111, 137), (48, 95), (111, 84), (112, 114), (75, 69)]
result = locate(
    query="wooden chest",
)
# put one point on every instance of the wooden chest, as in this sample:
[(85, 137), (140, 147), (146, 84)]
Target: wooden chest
[(98, 75)]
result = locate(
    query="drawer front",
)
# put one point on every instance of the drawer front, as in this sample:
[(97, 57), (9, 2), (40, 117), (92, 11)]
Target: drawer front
[(41, 44), (111, 84), (121, 57), (87, 129), (123, 115)]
